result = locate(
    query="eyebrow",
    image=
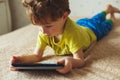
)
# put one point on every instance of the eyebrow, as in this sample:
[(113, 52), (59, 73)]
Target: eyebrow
[(48, 25)]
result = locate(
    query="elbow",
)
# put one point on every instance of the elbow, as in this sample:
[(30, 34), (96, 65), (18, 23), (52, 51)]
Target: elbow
[(38, 57)]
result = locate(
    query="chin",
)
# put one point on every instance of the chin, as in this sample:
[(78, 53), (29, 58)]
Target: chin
[(51, 35)]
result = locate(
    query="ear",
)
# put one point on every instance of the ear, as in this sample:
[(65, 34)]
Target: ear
[(65, 15)]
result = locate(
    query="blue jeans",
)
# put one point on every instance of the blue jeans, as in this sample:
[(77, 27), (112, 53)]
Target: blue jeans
[(98, 24)]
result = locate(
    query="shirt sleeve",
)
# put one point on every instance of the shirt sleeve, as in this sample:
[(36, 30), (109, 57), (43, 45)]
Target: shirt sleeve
[(77, 41), (75, 45), (41, 42)]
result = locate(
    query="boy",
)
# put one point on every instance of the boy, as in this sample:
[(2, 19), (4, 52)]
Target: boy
[(62, 34)]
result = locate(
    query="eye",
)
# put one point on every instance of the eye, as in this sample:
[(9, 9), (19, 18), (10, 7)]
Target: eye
[(49, 26)]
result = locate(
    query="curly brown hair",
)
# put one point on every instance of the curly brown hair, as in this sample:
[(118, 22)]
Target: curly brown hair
[(40, 11)]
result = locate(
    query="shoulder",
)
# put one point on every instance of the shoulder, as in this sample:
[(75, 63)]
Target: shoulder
[(42, 37), (72, 29), (40, 34)]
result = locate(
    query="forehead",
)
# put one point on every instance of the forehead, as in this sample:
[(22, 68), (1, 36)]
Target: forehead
[(48, 22), (44, 21)]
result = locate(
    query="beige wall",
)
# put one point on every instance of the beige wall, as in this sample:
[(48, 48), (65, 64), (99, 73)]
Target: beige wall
[(18, 14)]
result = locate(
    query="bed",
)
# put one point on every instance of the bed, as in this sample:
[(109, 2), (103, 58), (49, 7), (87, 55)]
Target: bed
[(102, 63)]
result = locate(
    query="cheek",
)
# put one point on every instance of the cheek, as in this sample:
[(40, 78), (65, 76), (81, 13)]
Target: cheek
[(54, 30)]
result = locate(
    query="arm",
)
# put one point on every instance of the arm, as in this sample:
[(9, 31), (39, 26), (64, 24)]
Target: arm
[(76, 61), (89, 49), (29, 58), (72, 62)]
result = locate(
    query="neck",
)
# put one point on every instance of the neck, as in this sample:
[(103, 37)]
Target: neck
[(62, 29), (58, 38)]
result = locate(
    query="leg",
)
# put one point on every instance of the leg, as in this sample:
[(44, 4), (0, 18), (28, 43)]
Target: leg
[(108, 10), (98, 23), (99, 18), (102, 16), (106, 27), (111, 10), (94, 23), (96, 20)]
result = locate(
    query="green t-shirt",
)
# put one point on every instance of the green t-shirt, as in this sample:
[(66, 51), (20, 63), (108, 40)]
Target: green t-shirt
[(74, 37)]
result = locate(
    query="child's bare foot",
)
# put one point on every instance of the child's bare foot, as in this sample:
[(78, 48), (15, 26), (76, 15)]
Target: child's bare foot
[(111, 9)]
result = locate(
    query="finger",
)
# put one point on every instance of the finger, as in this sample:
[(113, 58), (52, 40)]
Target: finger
[(15, 59), (66, 69), (63, 70), (13, 69)]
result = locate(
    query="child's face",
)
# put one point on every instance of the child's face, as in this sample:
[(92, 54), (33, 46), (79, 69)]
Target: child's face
[(54, 28)]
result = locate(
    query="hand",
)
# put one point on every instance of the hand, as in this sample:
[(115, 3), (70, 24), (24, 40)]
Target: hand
[(13, 60), (16, 59), (25, 59), (67, 62)]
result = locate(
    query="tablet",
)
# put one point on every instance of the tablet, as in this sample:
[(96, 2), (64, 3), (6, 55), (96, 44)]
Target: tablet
[(36, 66)]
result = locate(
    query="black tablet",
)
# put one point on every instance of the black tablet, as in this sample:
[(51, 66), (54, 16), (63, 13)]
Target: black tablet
[(33, 66)]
